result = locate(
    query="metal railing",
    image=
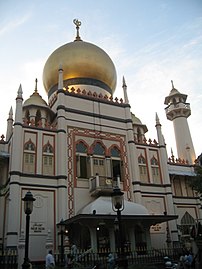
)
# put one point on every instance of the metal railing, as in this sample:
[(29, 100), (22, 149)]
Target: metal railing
[(89, 259), (141, 256), (8, 259)]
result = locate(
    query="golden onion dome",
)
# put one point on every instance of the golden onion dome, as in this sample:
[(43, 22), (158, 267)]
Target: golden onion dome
[(83, 63)]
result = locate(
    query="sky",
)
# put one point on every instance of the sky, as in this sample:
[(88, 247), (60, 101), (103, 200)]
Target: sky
[(151, 42)]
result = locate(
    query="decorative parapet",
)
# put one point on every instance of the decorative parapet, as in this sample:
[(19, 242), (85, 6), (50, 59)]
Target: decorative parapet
[(2, 140), (47, 125), (179, 161), (149, 142), (88, 94)]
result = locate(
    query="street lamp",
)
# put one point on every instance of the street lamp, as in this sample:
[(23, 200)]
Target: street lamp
[(28, 207), (61, 226), (118, 206)]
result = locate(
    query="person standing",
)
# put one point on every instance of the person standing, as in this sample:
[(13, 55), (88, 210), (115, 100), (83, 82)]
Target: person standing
[(111, 261), (50, 262)]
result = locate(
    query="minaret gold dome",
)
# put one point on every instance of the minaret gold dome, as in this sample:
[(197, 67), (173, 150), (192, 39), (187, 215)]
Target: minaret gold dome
[(82, 63)]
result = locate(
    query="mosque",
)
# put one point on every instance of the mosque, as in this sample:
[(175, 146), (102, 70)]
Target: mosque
[(72, 151)]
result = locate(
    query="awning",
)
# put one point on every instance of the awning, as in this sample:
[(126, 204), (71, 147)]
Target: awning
[(182, 173), (145, 220)]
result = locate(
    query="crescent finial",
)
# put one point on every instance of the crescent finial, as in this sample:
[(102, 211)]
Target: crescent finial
[(78, 24)]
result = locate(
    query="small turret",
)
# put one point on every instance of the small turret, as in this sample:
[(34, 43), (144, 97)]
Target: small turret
[(60, 78), (124, 86), (9, 124), (18, 110), (159, 132)]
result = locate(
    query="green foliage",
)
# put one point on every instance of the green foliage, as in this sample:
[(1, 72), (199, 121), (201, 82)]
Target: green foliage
[(196, 182)]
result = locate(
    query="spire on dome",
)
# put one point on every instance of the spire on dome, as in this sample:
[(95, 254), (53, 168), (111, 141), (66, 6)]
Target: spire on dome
[(78, 24), (36, 81), (172, 84)]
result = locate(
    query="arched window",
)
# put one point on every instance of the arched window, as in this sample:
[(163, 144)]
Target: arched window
[(29, 158), (116, 163), (38, 117), (155, 170), (81, 148), (143, 168), (98, 149), (141, 159), (99, 163), (154, 161), (115, 152), (27, 116), (139, 135), (82, 160), (48, 159), (187, 222)]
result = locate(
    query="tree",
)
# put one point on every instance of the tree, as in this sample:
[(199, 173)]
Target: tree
[(196, 182)]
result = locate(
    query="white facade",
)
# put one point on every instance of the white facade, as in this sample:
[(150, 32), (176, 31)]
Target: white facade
[(70, 152)]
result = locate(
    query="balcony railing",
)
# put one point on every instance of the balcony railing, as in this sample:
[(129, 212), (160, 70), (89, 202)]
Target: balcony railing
[(100, 185)]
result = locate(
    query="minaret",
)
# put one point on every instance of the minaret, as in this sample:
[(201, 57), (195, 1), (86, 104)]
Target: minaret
[(178, 111), (14, 205)]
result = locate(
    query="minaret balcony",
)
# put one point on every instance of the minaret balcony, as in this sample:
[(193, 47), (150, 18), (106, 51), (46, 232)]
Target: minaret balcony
[(101, 185), (178, 109)]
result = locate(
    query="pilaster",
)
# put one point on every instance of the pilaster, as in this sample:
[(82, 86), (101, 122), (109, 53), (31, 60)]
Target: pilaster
[(61, 150)]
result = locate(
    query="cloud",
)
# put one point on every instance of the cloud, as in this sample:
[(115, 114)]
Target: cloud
[(13, 24)]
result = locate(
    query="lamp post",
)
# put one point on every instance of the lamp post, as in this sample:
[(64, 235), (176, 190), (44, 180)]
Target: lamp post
[(28, 208), (118, 206), (61, 226)]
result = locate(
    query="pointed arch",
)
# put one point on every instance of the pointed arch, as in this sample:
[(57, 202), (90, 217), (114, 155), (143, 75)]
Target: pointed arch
[(29, 157), (48, 159), (115, 163), (141, 159), (27, 116), (187, 219), (48, 148), (82, 146), (38, 117), (82, 159), (114, 151), (187, 222), (143, 169), (139, 135), (29, 145), (98, 148), (154, 161)]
